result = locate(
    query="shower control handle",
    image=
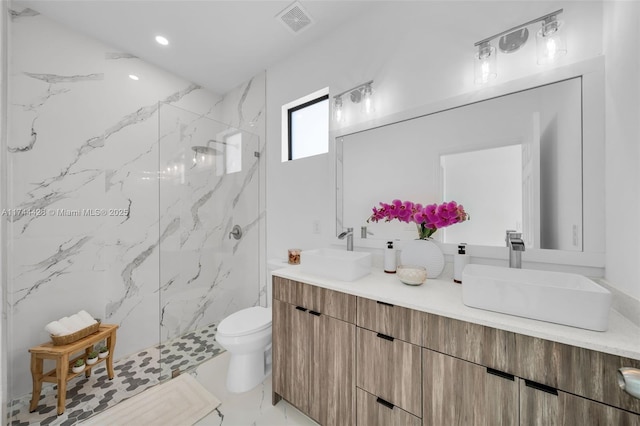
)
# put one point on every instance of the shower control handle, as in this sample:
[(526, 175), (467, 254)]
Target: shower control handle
[(236, 232)]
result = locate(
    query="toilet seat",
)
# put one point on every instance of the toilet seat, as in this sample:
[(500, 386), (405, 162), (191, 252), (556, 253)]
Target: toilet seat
[(245, 321)]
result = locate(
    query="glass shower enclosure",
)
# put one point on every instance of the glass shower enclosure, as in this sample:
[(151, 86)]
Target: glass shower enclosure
[(209, 232)]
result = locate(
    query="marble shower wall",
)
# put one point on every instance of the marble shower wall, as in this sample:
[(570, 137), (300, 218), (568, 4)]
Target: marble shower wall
[(87, 232)]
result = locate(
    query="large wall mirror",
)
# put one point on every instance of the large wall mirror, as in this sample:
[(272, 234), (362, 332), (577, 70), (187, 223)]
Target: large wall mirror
[(514, 161)]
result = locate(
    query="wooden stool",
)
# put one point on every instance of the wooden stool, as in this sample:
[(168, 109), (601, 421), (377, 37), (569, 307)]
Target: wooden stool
[(62, 373)]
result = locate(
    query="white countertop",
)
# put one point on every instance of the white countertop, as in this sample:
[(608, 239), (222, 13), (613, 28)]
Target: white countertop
[(444, 297)]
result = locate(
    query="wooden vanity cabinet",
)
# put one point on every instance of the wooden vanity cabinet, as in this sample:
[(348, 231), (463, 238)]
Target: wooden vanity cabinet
[(313, 352), (558, 383), (346, 360)]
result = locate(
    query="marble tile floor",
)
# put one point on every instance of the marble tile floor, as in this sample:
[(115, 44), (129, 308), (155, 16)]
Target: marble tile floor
[(133, 374), (251, 408)]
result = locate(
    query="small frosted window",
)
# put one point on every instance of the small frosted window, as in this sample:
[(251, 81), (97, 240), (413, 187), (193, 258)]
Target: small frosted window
[(309, 128), (233, 153)]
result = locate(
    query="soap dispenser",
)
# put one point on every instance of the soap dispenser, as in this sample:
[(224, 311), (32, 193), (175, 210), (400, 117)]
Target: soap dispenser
[(390, 258), (460, 260)]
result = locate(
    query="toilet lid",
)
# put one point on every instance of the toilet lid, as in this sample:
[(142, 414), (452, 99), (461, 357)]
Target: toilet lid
[(246, 321)]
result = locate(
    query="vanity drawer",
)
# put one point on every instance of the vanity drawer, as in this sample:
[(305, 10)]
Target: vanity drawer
[(472, 342), (371, 410), (580, 371), (390, 369), (313, 298), (329, 302), (395, 321), (288, 291)]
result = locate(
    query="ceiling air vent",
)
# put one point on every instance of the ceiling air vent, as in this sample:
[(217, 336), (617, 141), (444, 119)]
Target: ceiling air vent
[(295, 18)]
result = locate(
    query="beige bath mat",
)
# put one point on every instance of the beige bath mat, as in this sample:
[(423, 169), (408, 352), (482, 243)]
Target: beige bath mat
[(180, 401)]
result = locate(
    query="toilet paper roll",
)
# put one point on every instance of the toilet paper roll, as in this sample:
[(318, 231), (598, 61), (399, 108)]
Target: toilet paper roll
[(56, 329)]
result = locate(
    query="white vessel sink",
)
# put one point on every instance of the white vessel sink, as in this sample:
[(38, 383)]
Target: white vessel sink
[(338, 264), (557, 297)]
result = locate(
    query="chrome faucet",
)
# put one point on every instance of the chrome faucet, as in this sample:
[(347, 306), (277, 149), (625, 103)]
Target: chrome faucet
[(349, 235), (364, 232), (516, 247)]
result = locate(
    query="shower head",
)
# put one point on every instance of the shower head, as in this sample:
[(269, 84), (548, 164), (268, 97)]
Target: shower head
[(207, 150)]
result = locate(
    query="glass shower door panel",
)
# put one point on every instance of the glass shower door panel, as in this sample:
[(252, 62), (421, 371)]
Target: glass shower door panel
[(208, 183)]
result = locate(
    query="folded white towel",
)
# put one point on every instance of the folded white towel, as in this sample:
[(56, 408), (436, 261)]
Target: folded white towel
[(56, 329), (86, 318), (69, 324), (78, 324)]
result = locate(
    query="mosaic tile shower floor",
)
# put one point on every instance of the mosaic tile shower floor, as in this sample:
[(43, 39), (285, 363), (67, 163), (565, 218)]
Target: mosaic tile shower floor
[(133, 374)]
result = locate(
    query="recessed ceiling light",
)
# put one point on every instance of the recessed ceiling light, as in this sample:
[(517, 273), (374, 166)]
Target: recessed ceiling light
[(134, 77), (161, 40)]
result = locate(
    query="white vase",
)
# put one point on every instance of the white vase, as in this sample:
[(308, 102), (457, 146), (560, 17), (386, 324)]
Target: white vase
[(423, 253), (103, 354), (91, 361), (77, 369)]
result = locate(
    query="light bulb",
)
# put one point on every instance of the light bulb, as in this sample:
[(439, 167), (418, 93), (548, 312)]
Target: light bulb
[(367, 102), (485, 71), (162, 40), (550, 41), (485, 64), (551, 49), (337, 110)]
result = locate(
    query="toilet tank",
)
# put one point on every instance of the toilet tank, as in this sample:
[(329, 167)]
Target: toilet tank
[(272, 265)]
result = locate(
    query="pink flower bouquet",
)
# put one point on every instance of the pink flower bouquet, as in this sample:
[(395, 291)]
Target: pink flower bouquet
[(428, 219)]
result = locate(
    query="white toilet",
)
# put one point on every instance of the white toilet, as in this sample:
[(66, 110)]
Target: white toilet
[(246, 335)]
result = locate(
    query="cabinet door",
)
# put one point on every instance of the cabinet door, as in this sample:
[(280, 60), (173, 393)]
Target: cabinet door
[(291, 354), (544, 406), (458, 392), (373, 411), (332, 383)]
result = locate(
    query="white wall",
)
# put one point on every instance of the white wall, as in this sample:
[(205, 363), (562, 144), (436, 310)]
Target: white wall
[(622, 50), (417, 53)]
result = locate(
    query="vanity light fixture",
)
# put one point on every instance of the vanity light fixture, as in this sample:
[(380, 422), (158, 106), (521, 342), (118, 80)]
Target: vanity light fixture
[(485, 63), (162, 40), (549, 39), (362, 93)]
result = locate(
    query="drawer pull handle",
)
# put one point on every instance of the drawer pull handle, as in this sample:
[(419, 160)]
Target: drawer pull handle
[(385, 403), (385, 337), (384, 303), (315, 313), (541, 387), (300, 308), (501, 374)]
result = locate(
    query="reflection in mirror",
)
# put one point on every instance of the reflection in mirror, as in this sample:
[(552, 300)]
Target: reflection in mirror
[(514, 162), (467, 175)]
